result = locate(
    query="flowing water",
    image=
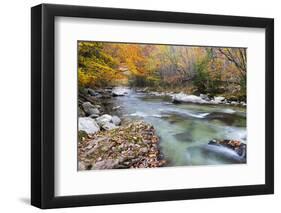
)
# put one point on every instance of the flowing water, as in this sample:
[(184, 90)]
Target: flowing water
[(185, 129)]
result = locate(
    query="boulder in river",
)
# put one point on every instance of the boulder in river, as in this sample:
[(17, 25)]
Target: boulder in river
[(120, 91), (205, 97), (88, 125), (225, 117), (181, 97), (238, 147), (219, 99)]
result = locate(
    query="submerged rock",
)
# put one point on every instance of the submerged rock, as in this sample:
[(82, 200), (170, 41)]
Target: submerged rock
[(88, 125), (184, 136), (226, 117)]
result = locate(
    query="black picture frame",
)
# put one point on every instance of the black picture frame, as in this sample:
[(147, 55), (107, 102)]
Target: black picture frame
[(43, 102)]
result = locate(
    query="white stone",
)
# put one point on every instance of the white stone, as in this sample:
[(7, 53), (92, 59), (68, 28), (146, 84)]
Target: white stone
[(116, 120), (120, 91), (88, 125), (204, 97), (106, 122), (242, 102), (219, 99), (104, 119), (181, 97), (108, 126)]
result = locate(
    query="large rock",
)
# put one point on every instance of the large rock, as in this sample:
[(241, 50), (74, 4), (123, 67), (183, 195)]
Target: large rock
[(88, 125), (205, 97), (234, 102), (90, 109), (104, 119), (181, 97), (108, 126), (120, 91), (219, 99), (106, 122), (116, 120), (239, 148)]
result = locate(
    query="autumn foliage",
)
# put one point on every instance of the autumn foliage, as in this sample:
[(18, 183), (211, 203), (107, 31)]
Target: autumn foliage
[(212, 70)]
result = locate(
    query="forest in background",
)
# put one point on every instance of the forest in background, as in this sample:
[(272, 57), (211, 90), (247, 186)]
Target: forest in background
[(151, 105), (189, 69)]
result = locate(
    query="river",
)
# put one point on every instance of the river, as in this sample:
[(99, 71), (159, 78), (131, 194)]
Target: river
[(185, 129)]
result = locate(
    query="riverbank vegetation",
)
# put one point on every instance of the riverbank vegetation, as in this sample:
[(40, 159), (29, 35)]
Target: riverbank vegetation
[(215, 71)]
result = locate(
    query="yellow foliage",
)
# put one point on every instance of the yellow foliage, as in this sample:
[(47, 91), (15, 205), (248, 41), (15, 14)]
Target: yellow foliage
[(102, 64)]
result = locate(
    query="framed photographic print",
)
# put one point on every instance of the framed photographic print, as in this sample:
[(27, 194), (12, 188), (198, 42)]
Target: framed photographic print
[(140, 106)]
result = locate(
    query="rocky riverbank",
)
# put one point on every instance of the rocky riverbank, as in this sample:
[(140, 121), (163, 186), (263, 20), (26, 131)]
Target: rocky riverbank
[(107, 142), (201, 99), (182, 97), (133, 145)]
